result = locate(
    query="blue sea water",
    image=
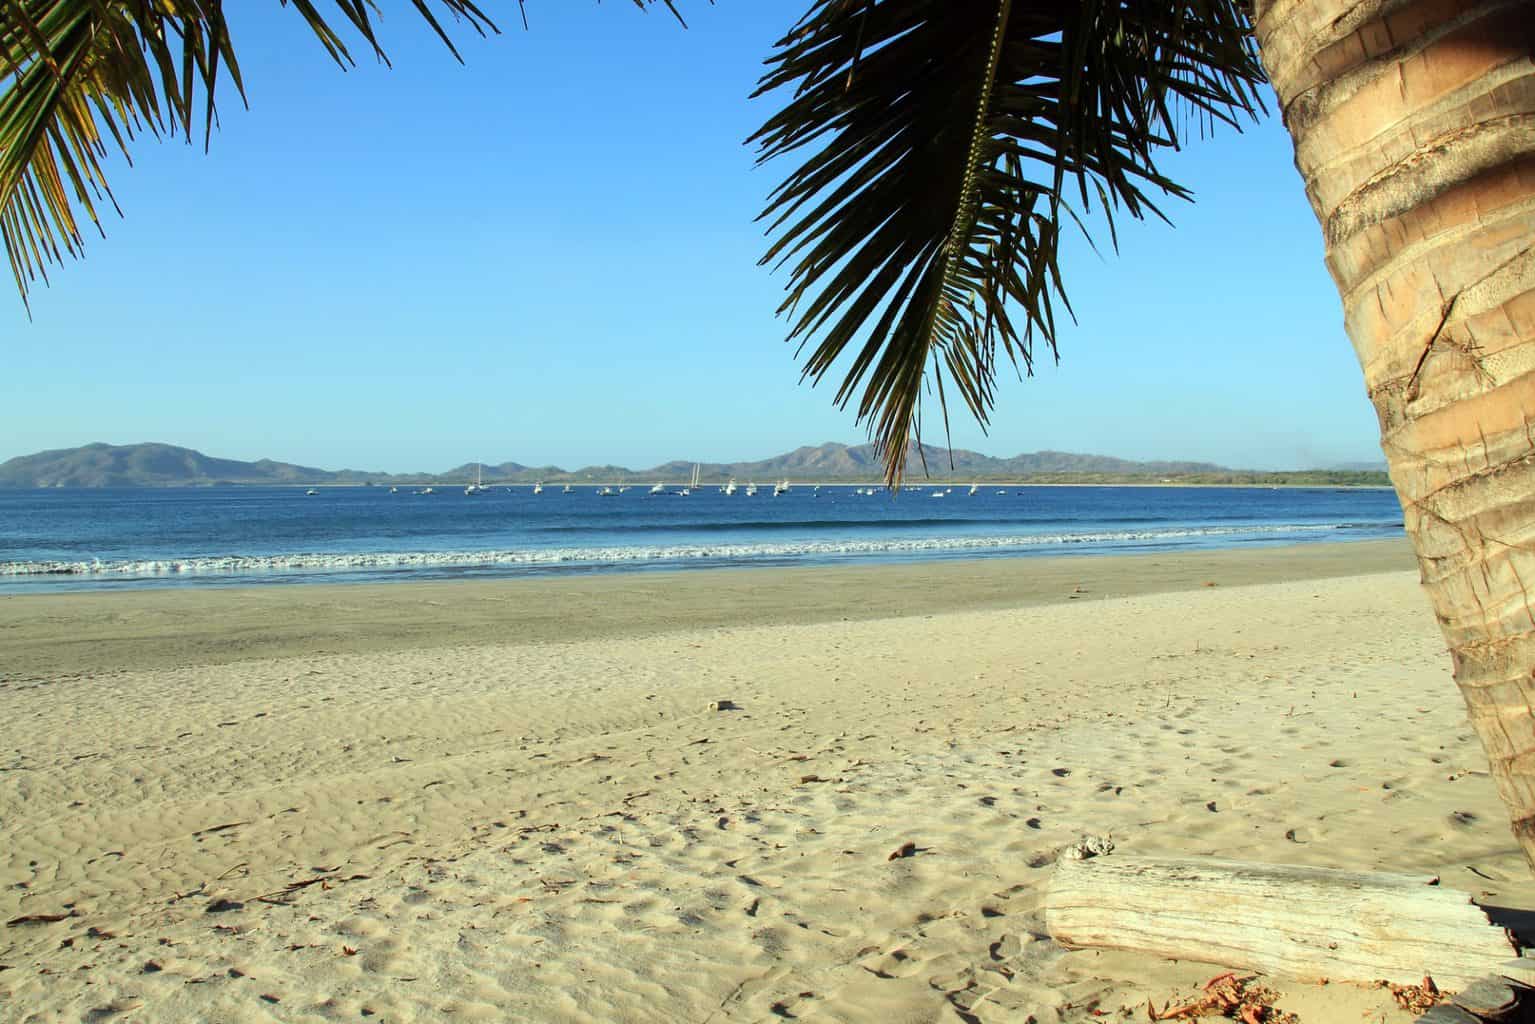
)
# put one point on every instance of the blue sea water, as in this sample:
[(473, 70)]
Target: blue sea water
[(88, 539)]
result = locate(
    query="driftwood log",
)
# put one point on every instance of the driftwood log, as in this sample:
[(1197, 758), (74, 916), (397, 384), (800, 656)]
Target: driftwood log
[(1296, 921)]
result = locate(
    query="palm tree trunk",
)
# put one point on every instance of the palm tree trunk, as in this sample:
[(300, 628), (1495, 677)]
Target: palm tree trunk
[(1414, 129)]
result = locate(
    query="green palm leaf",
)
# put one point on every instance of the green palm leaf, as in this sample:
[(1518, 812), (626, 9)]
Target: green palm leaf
[(82, 77), (80, 74), (942, 144)]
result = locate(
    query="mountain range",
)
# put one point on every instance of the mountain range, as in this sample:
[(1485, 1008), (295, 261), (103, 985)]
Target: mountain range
[(164, 465)]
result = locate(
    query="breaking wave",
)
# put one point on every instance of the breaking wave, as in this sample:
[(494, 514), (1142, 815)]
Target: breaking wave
[(641, 555)]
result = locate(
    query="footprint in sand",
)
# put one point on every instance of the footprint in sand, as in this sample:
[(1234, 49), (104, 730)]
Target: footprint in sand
[(895, 964), (1004, 948)]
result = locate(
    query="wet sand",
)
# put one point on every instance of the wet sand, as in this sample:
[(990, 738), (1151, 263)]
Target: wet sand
[(94, 631)]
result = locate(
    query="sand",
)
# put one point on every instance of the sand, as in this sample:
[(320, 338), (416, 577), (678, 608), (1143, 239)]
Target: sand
[(65, 634), (508, 801)]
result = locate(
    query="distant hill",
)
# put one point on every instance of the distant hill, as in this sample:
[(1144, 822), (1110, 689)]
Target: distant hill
[(163, 465), (859, 462), (150, 465)]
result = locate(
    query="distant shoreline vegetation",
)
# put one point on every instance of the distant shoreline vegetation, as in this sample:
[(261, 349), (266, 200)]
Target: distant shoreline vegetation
[(163, 465), (1277, 478)]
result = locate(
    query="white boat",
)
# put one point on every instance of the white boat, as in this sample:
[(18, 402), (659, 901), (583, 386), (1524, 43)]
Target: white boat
[(538, 488), (426, 490), (751, 490), (974, 489), (936, 494), (688, 490), (606, 492), (394, 490), (781, 488), (566, 489), (311, 491), (478, 487), (658, 489), (729, 488)]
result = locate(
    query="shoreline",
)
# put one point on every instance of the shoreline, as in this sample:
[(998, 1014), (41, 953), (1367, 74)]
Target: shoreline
[(94, 631)]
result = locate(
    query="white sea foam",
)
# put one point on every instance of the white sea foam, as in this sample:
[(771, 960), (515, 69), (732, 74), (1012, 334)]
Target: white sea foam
[(635, 555)]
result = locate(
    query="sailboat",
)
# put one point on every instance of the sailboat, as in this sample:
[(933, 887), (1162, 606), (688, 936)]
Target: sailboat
[(538, 488), (975, 487), (729, 488), (751, 490), (478, 487), (781, 488), (658, 489), (686, 491)]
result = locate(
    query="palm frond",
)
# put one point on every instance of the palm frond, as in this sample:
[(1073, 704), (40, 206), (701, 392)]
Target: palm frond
[(83, 77), (943, 143)]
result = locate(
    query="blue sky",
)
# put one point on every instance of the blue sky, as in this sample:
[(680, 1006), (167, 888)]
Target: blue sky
[(548, 255)]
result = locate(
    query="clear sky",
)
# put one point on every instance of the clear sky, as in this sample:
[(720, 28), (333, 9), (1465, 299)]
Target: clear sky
[(548, 256)]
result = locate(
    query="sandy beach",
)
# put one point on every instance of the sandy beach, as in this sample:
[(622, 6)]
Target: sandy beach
[(509, 800)]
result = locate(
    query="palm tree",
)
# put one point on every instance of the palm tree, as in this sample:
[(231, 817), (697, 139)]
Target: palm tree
[(1414, 132), (942, 147)]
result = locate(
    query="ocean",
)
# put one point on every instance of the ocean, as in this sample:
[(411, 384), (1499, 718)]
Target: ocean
[(53, 540)]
